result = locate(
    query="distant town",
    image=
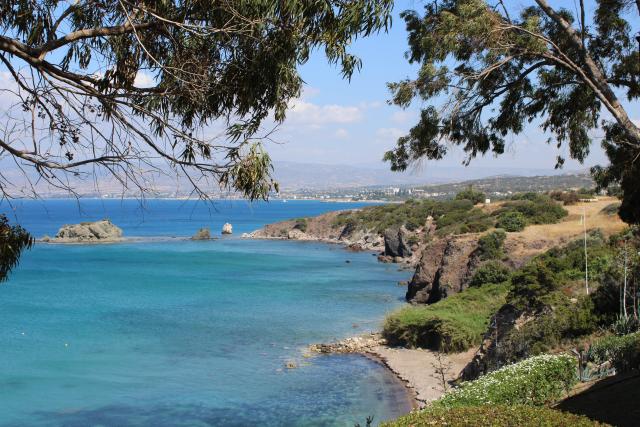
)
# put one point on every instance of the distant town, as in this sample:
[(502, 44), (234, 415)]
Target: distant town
[(494, 187)]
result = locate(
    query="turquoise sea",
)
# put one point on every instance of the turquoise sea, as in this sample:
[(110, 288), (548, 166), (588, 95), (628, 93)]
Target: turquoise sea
[(168, 332)]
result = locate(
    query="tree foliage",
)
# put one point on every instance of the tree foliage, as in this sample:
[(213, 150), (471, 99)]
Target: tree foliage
[(471, 194), (80, 99), (498, 71), (13, 240)]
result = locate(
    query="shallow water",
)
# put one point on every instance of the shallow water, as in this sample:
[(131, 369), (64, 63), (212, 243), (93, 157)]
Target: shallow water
[(190, 333)]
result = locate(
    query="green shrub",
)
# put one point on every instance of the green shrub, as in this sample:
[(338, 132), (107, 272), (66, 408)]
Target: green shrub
[(452, 216), (453, 324), (413, 240), (491, 272), (491, 244), (301, 224), (493, 415), (568, 261), (531, 283), (471, 194), (611, 209), (559, 321), (537, 381), (511, 221), (536, 209), (623, 351)]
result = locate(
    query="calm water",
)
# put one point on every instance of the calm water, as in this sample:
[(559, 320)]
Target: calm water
[(167, 333)]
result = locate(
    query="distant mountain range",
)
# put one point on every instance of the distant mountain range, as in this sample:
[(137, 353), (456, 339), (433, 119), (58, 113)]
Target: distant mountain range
[(291, 176), (295, 176)]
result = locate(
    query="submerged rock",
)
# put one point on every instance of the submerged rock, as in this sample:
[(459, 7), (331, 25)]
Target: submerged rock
[(227, 228), (202, 234), (89, 232)]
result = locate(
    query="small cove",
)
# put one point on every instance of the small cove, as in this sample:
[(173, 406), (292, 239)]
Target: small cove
[(191, 333)]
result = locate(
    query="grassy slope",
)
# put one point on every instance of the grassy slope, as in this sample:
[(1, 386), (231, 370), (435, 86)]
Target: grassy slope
[(495, 415), (453, 324)]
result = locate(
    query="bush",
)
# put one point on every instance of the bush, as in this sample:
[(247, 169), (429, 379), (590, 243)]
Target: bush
[(470, 194), (560, 321), (301, 224), (452, 216), (538, 381), (492, 272), (566, 197), (623, 352), (536, 208), (531, 283), (511, 221), (611, 209), (494, 415), (453, 324), (490, 245)]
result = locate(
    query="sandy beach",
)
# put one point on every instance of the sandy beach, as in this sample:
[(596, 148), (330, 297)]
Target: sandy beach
[(416, 368)]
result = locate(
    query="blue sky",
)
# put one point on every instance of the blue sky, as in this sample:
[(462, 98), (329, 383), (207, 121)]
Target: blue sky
[(341, 122)]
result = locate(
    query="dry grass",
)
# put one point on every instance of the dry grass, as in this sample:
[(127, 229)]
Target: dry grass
[(536, 238)]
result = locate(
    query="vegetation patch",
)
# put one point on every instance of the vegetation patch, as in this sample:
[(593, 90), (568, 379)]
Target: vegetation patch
[(491, 245), (301, 224), (511, 221), (534, 208), (622, 351), (494, 415), (452, 216), (549, 291), (611, 209), (453, 324), (471, 194), (491, 272), (537, 381)]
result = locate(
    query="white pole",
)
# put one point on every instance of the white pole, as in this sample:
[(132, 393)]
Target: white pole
[(624, 291), (586, 261)]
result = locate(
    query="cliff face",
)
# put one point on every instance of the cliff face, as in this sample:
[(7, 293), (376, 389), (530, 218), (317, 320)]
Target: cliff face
[(498, 347), (446, 266)]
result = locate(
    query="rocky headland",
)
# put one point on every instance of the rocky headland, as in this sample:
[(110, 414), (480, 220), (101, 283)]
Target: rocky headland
[(103, 231), (396, 244), (474, 328)]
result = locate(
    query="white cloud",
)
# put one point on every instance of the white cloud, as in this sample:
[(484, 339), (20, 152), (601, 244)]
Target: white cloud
[(342, 133), (402, 117), (312, 114), (390, 134), (144, 80), (309, 92)]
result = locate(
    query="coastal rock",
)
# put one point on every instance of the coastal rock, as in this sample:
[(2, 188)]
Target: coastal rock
[(202, 234), (358, 344), (296, 234), (395, 242), (445, 267), (88, 232), (227, 228)]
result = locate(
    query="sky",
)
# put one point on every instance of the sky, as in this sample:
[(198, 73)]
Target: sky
[(342, 122)]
